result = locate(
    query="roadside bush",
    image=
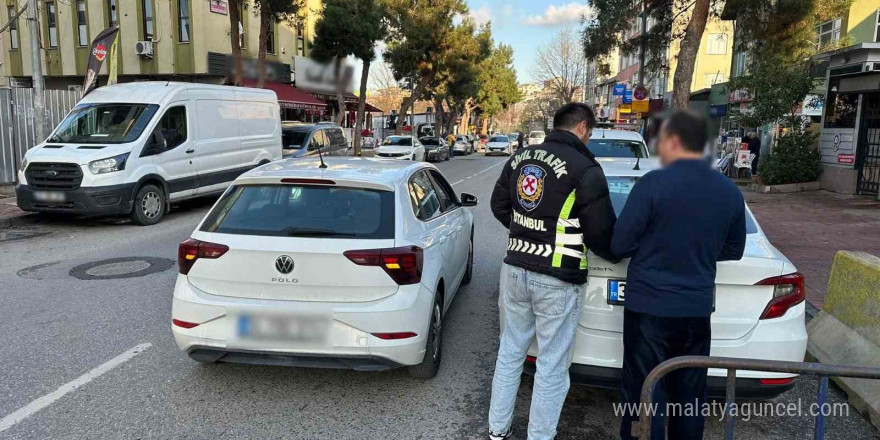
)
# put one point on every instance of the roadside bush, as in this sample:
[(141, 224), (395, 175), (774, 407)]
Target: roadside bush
[(793, 160)]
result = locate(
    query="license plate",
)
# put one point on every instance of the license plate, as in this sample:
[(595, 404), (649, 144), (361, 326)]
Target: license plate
[(49, 196), (285, 328), (616, 292)]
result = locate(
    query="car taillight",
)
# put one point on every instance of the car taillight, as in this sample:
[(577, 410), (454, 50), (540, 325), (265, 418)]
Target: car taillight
[(184, 324), (191, 250), (402, 264), (788, 291)]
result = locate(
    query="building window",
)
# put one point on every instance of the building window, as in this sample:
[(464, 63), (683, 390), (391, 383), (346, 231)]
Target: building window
[(183, 21), (840, 108), (13, 29), (52, 21), (148, 19), (739, 63), (828, 33), (717, 44), (270, 39), (300, 40), (113, 19), (82, 27)]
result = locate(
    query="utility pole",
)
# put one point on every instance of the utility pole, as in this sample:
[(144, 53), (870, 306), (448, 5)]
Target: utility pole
[(37, 74), (642, 38)]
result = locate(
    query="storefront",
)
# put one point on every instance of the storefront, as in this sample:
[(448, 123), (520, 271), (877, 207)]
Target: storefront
[(850, 139), (295, 104)]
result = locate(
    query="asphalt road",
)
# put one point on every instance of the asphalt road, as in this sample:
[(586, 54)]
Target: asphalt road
[(94, 358)]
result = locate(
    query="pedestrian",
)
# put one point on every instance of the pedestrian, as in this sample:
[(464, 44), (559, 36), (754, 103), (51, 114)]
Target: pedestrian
[(755, 148), (678, 222), (450, 139), (519, 141), (554, 199)]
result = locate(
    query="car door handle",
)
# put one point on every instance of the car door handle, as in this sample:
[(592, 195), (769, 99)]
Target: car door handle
[(190, 151)]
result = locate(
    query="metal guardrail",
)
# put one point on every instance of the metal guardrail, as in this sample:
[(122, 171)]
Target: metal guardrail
[(731, 365)]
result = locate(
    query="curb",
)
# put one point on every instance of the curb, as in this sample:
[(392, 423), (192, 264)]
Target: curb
[(19, 220)]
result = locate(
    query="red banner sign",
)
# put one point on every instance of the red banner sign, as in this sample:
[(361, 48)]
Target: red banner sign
[(846, 158)]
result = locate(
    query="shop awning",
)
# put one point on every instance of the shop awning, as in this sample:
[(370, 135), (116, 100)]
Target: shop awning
[(291, 97), (353, 106), (351, 101)]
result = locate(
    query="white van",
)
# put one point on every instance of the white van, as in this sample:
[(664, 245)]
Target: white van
[(133, 148)]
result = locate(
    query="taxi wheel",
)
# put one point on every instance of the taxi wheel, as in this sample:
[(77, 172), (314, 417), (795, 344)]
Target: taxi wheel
[(433, 346)]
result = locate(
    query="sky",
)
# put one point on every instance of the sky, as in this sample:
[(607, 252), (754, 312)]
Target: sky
[(526, 25)]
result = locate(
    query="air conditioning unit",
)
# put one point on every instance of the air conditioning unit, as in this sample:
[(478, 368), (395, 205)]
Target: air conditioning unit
[(144, 48)]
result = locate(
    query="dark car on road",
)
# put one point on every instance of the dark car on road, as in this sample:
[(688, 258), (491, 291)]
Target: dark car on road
[(300, 139), (435, 148)]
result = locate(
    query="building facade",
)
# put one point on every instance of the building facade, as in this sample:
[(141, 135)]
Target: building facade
[(187, 40)]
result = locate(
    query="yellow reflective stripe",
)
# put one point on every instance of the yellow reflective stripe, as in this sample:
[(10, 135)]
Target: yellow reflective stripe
[(559, 250)]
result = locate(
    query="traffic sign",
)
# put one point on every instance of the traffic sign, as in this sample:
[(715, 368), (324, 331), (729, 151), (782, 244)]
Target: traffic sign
[(640, 106), (628, 97), (640, 93), (619, 90)]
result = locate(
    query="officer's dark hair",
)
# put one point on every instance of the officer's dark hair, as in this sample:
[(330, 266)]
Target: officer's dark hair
[(690, 128), (572, 114)]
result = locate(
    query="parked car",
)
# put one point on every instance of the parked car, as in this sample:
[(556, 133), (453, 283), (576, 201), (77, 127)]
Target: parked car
[(401, 147), (759, 307), (463, 145), (134, 148), (435, 148), (617, 143), (536, 137), (514, 140), (352, 266), (304, 139), (499, 144)]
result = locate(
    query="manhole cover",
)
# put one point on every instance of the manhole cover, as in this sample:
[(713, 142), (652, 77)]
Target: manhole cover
[(127, 267), (20, 235)]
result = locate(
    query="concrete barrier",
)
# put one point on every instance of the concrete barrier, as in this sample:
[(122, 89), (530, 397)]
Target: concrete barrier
[(847, 330)]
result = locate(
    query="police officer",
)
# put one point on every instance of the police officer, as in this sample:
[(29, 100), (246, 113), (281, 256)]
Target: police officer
[(554, 199)]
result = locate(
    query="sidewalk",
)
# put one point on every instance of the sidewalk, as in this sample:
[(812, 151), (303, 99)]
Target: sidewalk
[(10, 215), (810, 227)]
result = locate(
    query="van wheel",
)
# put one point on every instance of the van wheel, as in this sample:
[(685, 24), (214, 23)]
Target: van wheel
[(149, 206), (433, 347)]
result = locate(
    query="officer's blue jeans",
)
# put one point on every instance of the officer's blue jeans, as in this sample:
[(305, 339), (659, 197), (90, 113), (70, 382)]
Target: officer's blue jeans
[(534, 305)]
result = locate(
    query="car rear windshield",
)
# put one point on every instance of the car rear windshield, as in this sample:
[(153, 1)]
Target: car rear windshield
[(499, 139), (303, 211), (620, 187), (293, 138), (429, 141), (616, 148), (396, 140)]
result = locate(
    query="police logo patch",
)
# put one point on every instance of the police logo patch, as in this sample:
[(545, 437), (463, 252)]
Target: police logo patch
[(530, 186)]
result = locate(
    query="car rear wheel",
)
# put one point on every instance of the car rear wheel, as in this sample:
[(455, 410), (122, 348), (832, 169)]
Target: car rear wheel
[(149, 206), (433, 347)]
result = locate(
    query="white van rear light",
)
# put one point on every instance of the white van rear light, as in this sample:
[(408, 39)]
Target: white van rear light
[(788, 291)]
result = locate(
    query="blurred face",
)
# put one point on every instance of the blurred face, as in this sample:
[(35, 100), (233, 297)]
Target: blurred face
[(669, 147), (583, 132)]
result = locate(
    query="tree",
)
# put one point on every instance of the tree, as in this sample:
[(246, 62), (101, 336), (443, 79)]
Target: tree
[(498, 87), (674, 21), (417, 39), (338, 36), (274, 11), (561, 67), (235, 40)]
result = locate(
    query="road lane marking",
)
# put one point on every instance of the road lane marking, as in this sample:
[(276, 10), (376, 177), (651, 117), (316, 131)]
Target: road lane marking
[(42, 402), (481, 172)]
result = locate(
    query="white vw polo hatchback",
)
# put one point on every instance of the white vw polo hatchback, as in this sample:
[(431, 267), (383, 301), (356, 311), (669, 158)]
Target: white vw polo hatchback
[(759, 307), (349, 266)]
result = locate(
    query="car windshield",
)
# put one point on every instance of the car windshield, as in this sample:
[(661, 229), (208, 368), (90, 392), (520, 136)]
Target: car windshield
[(398, 140), (293, 138), (499, 139), (617, 148), (536, 134), (620, 187), (104, 123), (303, 211), (429, 141), (513, 137), (461, 138)]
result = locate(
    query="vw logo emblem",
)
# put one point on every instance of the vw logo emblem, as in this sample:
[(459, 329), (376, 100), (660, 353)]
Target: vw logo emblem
[(284, 264)]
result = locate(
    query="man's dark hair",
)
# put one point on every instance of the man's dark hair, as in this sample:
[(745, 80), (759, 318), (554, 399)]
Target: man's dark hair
[(690, 128), (572, 114)]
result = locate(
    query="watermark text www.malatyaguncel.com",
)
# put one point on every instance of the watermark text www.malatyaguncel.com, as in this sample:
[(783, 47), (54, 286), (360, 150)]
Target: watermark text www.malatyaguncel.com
[(744, 410)]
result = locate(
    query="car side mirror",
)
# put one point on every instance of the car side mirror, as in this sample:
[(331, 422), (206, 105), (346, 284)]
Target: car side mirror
[(469, 199), (157, 143)]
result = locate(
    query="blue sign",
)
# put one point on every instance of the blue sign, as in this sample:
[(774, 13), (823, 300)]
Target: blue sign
[(628, 97), (718, 111), (619, 89)]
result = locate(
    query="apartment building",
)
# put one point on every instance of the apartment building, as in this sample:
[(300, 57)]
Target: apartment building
[(187, 40)]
